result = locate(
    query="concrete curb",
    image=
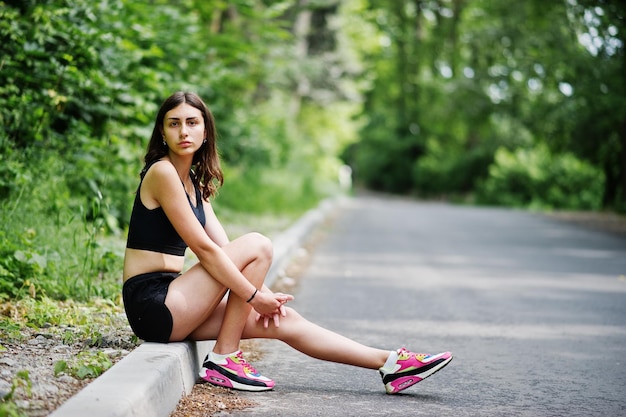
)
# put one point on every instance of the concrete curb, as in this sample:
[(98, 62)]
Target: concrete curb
[(151, 379)]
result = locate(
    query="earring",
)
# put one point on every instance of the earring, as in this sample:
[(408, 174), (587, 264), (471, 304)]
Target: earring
[(204, 141), (164, 143)]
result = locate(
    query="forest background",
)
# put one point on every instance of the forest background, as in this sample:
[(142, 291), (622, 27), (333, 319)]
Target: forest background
[(476, 101)]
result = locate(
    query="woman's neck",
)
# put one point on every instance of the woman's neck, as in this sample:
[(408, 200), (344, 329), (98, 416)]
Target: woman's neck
[(183, 167)]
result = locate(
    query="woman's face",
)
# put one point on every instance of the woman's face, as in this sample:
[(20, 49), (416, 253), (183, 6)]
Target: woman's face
[(183, 129)]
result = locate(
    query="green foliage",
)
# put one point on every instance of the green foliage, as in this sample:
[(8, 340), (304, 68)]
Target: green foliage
[(19, 264), (21, 381), (455, 173), (62, 254), (9, 409), (446, 74), (87, 364), (382, 164), (51, 71), (9, 329), (260, 192), (42, 312), (536, 178)]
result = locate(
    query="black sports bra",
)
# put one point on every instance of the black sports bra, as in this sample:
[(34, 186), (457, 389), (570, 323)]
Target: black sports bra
[(152, 230)]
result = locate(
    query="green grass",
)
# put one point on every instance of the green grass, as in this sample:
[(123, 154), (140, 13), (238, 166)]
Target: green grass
[(71, 321), (8, 407), (63, 257)]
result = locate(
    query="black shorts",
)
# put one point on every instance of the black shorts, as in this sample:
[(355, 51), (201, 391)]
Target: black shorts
[(144, 302)]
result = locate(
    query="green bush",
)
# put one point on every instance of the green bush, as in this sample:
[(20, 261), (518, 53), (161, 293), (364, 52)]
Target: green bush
[(536, 178), (55, 242), (384, 165), (257, 191), (52, 70), (439, 173)]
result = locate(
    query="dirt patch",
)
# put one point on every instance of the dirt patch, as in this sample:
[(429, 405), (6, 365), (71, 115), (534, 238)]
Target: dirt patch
[(207, 400), (27, 365)]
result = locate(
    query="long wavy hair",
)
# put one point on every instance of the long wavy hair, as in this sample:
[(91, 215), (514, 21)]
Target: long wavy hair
[(206, 171)]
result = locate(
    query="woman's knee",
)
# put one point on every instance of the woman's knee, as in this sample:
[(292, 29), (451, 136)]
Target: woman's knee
[(262, 244), (292, 318), (292, 313), (292, 326), (250, 249)]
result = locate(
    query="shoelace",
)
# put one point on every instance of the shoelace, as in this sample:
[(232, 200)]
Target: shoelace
[(246, 365), (405, 354)]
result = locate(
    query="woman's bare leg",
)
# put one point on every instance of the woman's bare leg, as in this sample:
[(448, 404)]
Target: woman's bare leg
[(304, 336), (194, 295), (237, 309), (318, 342)]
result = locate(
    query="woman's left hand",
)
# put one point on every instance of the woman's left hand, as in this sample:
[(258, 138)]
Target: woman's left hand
[(282, 311)]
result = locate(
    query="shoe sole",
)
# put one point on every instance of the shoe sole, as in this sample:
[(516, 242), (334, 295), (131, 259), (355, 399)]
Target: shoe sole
[(403, 383), (216, 378)]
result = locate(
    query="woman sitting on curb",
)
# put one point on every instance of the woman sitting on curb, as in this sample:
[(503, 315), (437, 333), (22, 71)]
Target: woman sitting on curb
[(172, 211)]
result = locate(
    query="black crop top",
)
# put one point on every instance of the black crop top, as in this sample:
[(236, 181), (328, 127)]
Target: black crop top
[(151, 229)]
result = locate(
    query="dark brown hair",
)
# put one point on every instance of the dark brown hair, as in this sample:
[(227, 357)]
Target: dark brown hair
[(206, 171)]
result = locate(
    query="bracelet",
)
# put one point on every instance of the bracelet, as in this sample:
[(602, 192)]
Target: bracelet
[(252, 296)]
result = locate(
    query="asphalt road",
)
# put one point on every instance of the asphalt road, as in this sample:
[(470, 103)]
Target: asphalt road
[(533, 309)]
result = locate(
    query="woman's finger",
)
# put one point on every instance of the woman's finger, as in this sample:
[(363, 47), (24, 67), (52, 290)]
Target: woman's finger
[(283, 298)]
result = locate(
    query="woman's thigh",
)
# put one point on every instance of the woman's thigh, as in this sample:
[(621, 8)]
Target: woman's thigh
[(194, 296)]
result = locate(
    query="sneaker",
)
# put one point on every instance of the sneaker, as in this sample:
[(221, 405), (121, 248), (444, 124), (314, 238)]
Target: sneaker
[(235, 373), (411, 368)]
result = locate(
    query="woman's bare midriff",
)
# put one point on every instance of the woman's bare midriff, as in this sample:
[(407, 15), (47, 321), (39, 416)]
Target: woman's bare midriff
[(137, 261)]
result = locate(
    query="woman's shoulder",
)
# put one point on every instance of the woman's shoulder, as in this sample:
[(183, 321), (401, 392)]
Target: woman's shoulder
[(161, 168), (161, 176)]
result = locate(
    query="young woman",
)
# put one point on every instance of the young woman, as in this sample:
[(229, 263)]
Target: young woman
[(172, 211)]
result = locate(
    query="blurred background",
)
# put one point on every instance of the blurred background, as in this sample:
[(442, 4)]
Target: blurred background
[(488, 102)]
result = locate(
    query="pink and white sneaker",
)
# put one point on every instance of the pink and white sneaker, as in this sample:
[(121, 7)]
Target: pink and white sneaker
[(411, 368), (234, 372)]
